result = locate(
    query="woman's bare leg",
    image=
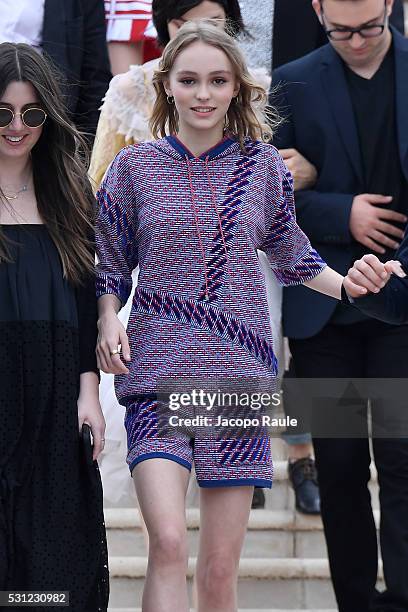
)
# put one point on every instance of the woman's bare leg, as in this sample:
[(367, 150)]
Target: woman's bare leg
[(161, 487), (124, 54), (224, 516)]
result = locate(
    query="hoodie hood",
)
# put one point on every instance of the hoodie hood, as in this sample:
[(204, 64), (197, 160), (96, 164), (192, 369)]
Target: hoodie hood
[(173, 147)]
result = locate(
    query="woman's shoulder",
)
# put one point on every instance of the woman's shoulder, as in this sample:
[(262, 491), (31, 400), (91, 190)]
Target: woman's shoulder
[(267, 150), (271, 162), (135, 153)]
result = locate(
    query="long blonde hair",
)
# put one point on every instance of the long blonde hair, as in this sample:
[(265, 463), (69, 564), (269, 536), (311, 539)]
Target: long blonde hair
[(248, 114)]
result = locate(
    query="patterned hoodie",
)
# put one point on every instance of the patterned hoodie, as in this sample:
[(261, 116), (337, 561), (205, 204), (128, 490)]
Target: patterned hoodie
[(194, 225)]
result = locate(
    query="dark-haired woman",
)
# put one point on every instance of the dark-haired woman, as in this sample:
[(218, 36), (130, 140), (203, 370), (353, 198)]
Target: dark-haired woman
[(51, 519)]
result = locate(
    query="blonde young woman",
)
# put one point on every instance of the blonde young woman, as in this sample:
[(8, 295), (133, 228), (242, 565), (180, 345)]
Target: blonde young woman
[(191, 209), (124, 120), (129, 101)]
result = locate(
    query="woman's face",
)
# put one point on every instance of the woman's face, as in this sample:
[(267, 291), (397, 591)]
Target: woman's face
[(204, 10), (203, 84), (16, 139)]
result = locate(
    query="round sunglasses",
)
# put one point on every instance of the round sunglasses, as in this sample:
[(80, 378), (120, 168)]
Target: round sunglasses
[(32, 117)]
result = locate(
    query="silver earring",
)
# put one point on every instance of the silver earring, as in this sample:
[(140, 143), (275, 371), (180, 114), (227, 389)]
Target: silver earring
[(170, 100)]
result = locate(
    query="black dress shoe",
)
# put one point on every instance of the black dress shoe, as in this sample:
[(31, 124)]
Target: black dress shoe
[(303, 478), (258, 500)]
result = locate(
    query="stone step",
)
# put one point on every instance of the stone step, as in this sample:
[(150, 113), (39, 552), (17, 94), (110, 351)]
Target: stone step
[(271, 533), (288, 583), (312, 595)]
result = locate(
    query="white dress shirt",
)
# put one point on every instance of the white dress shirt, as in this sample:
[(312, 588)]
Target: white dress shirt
[(21, 21)]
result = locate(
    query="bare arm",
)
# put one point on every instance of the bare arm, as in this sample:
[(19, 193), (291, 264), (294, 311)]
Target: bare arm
[(328, 282), (112, 337)]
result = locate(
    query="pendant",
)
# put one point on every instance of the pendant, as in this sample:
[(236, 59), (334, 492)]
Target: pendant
[(16, 194)]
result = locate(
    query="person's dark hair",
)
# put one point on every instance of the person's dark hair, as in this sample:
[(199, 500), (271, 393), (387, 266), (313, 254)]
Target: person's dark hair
[(166, 10), (64, 195)]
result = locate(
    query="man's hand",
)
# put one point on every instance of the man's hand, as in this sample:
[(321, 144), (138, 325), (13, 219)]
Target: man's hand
[(370, 274), (303, 172), (374, 227)]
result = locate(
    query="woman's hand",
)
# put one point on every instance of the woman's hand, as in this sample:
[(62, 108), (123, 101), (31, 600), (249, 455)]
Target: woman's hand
[(112, 340), (370, 274), (89, 411)]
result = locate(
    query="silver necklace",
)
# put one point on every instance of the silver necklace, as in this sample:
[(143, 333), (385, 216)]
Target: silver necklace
[(14, 195)]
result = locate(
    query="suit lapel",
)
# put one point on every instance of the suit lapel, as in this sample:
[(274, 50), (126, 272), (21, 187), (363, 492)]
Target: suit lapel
[(336, 89), (401, 97)]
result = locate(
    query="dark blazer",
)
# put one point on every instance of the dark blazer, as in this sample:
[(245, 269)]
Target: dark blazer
[(297, 31), (74, 37), (321, 126), (391, 304)]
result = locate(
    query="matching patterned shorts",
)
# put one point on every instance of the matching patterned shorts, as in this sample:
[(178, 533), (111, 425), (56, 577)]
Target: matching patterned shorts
[(218, 462)]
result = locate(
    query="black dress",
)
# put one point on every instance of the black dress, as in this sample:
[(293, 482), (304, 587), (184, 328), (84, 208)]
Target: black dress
[(52, 534)]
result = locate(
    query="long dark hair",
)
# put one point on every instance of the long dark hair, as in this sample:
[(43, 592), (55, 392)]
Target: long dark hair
[(63, 192), (166, 10)]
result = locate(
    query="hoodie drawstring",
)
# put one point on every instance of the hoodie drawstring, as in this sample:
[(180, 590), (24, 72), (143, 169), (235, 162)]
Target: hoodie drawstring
[(214, 202), (193, 202), (194, 207)]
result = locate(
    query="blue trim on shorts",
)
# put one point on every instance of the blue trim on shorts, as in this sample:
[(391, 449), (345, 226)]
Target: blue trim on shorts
[(236, 482), (159, 455)]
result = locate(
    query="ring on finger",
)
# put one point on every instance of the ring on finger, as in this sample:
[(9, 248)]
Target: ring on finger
[(117, 350)]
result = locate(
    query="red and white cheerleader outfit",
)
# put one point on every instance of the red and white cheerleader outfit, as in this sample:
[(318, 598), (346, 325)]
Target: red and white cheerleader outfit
[(129, 21)]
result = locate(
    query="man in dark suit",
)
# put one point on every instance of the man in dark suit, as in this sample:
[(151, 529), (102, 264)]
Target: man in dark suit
[(347, 114), (297, 31), (74, 37)]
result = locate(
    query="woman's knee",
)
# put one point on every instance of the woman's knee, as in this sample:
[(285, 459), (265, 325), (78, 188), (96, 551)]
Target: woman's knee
[(168, 546), (217, 573)]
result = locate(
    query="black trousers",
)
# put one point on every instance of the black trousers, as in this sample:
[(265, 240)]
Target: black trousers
[(369, 349)]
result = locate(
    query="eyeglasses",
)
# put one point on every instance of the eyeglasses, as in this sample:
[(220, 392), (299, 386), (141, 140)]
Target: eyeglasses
[(368, 31), (31, 117)]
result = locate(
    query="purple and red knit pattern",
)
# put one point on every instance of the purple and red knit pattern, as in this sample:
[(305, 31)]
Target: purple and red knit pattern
[(207, 317), (118, 234), (194, 226), (217, 462), (217, 260), (244, 450)]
